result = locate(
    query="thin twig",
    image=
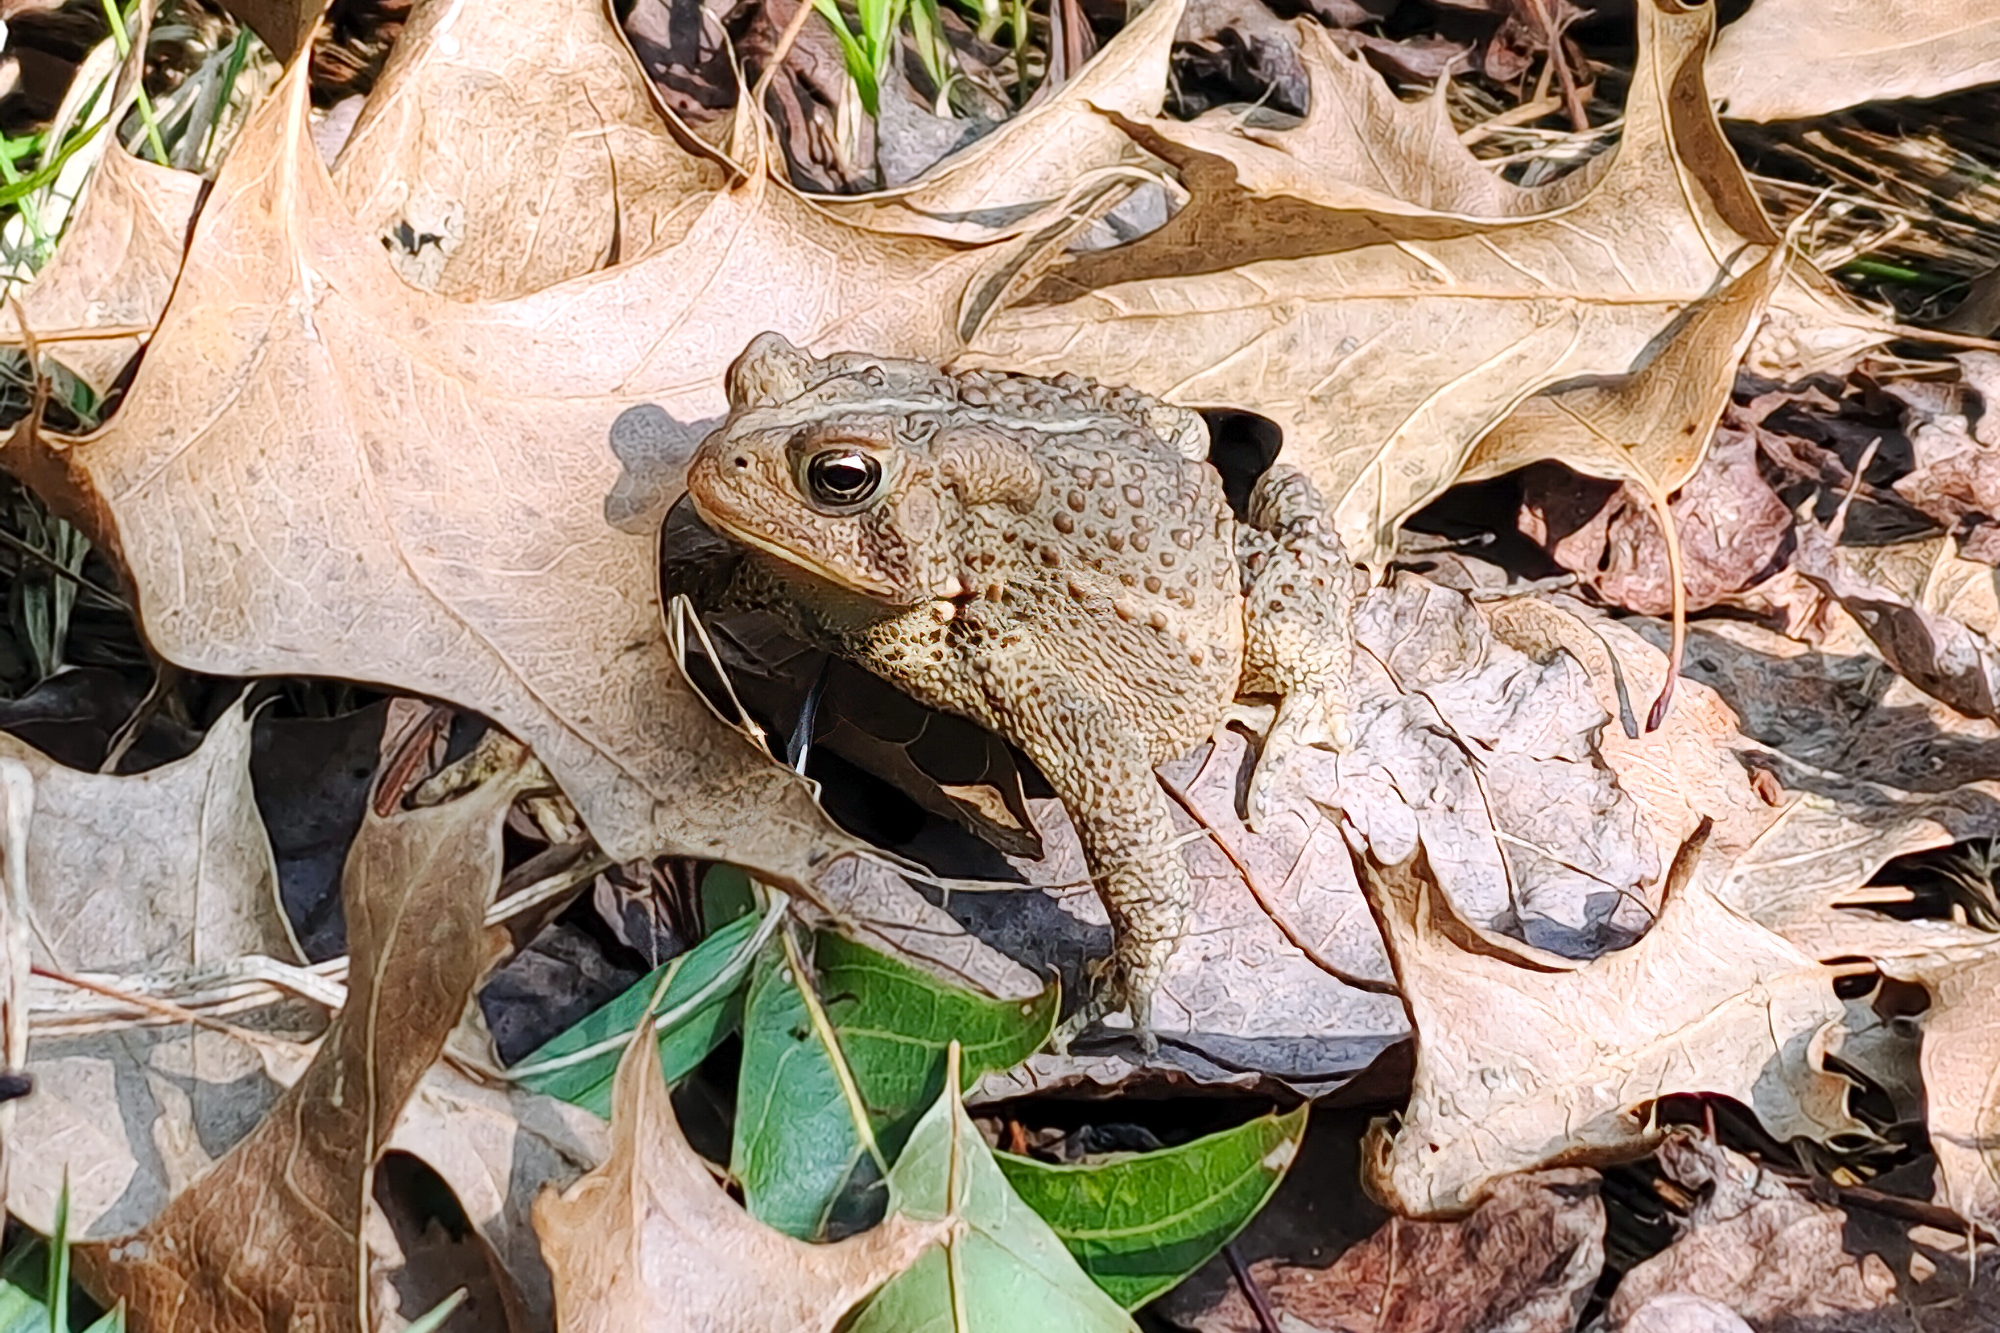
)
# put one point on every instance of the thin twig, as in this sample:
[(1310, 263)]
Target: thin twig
[(1267, 1322)]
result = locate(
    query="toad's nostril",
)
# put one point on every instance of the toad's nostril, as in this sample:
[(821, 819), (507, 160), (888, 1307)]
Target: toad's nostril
[(742, 461)]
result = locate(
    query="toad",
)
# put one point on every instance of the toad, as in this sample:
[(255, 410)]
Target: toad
[(1054, 559)]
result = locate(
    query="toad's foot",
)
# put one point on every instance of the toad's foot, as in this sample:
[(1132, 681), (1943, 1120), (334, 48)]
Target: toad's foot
[(1120, 984)]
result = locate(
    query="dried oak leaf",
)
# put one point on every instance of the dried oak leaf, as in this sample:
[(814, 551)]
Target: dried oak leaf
[(1961, 1068), (1731, 524), (1526, 1060), (97, 299), (650, 1240), (136, 882), (273, 1232), (321, 470), (1757, 1245), (1681, 772), (1650, 429), (1385, 336), (494, 158), (1788, 59)]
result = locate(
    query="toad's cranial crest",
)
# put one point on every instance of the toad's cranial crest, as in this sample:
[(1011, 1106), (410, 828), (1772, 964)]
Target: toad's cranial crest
[(1103, 607)]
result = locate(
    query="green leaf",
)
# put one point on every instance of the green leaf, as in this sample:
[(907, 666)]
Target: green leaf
[(1005, 1272), (860, 63), (836, 1073), (15, 191), (22, 1309), (726, 893), (31, 1270), (1139, 1223), (702, 998)]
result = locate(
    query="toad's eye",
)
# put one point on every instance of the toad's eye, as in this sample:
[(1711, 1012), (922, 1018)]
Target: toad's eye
[(842, 477)]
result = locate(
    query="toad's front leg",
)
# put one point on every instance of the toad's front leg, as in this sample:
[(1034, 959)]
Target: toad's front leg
[(1102, 773), (1298, 612)]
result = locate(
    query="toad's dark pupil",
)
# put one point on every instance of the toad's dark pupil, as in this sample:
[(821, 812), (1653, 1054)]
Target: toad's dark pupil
[(843, 477)]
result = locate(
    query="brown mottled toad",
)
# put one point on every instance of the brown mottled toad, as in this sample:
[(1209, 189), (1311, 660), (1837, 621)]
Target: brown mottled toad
[(1053, 559)]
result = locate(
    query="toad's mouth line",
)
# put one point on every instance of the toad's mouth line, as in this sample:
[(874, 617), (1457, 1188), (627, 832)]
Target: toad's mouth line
[(720, 523)]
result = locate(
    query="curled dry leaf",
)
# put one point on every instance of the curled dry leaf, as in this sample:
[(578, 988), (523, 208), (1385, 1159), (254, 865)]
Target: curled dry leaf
[(1650, 429), (1707, 1002), (444, 530), (495, 157), (273, 1232), (1382, 337), (1757, 1245), (1865, 768), (650, 1240), (96, 300), (1939, 655), (284, 25), (140, 880), (1733, 530), (1787, 59)]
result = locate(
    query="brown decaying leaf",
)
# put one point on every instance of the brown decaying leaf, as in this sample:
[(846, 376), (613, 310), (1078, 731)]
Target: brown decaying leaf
[(1386, 339), (1758, 1245), (320, 470), (1788, 59), (1732, 525), (1524, 1261), (528, 150), (273, 1233), (1651, 428), (650, 1240), (1961, 1066), (1707, 1002), (93, 304)]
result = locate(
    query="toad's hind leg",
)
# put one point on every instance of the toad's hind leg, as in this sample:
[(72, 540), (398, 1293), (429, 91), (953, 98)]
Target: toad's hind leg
[(1104, 776), (1298, 608)]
